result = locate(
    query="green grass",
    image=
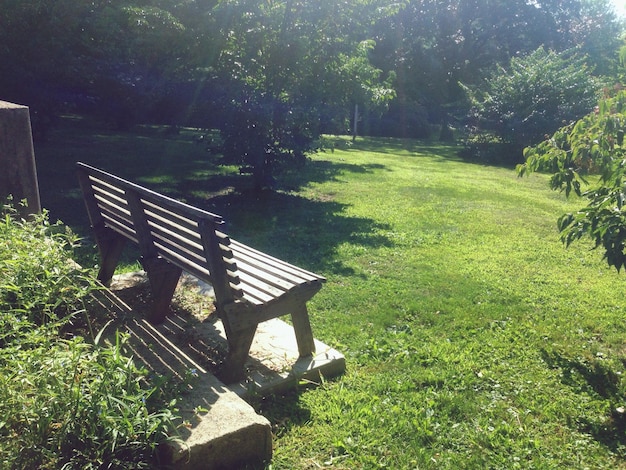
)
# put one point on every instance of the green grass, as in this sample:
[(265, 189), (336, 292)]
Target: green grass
[(473, 338)]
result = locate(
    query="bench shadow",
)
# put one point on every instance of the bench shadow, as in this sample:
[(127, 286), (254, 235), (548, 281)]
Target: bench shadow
[(161, 350)]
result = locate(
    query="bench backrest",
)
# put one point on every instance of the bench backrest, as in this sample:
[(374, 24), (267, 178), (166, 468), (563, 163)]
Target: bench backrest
[(184, 235)]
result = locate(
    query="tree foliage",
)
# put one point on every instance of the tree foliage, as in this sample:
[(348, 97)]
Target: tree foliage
[(588, 158), (533, 96), (434, 46), (298, 66), (293, 70)]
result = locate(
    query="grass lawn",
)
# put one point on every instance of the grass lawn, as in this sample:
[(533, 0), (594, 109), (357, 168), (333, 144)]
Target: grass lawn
[(474, 339)]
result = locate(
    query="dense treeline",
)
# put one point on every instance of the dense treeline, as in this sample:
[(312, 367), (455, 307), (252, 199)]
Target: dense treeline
[(273, 75)]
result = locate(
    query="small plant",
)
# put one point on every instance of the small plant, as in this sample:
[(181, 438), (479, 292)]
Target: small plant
[(39, 280), (64, 402)]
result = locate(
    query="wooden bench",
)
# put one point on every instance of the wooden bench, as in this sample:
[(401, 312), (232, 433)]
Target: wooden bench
[(250, 286)]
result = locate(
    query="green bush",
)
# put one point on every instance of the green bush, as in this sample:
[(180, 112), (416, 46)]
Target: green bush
[(533, 96), (487, 148), (39, 282), (64, 402)]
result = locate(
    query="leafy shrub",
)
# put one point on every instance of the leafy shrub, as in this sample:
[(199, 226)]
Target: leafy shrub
[(486, 147), (38, 279), (64, 403), (534, 96)]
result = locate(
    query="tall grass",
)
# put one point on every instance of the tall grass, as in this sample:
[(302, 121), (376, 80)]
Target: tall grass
[(473, 338), (65, 401)]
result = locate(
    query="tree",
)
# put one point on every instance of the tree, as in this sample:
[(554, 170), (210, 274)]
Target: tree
[(435, 45), (534, 96), (287, 71), (113, 57), (588, 158)]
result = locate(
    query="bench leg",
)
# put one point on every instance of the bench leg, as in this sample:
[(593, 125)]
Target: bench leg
[(239, 342), (163, 278), (110, 245), (302, 328)]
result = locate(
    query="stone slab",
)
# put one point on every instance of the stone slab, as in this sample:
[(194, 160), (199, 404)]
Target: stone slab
[(221, 430), (230, 432), (274, 364)]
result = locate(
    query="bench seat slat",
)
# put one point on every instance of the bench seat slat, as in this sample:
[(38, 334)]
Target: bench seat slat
[(263, 277), (261, 285), (240, 247), (252, 293), (272, 265), (262, 270)]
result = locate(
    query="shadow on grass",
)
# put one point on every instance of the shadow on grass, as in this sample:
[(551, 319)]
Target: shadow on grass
[(594, 377), (283, 411), (302, 231)]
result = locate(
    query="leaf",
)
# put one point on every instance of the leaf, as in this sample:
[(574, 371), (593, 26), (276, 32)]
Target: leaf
[(99, 335)]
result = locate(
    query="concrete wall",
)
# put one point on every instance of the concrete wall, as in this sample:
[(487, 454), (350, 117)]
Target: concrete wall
[(18, 173)]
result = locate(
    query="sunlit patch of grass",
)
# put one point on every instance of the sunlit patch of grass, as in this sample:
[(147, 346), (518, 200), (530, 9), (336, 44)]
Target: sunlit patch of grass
[(461, 327), (473, 338)]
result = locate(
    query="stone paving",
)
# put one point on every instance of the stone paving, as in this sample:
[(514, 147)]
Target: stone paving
[(222, 430)]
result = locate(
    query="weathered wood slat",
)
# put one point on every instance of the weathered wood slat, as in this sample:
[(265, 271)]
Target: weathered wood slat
[(121, 228), (239, 249), (258, 284), (176, 239), (277, 284), (198, 270), (102, 183), (252, 293), (191, 256), (111, 200), (188, 225), (183, 262), (122, 217), (280, 271), (159, 199), (272, 273), (112, 204)]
